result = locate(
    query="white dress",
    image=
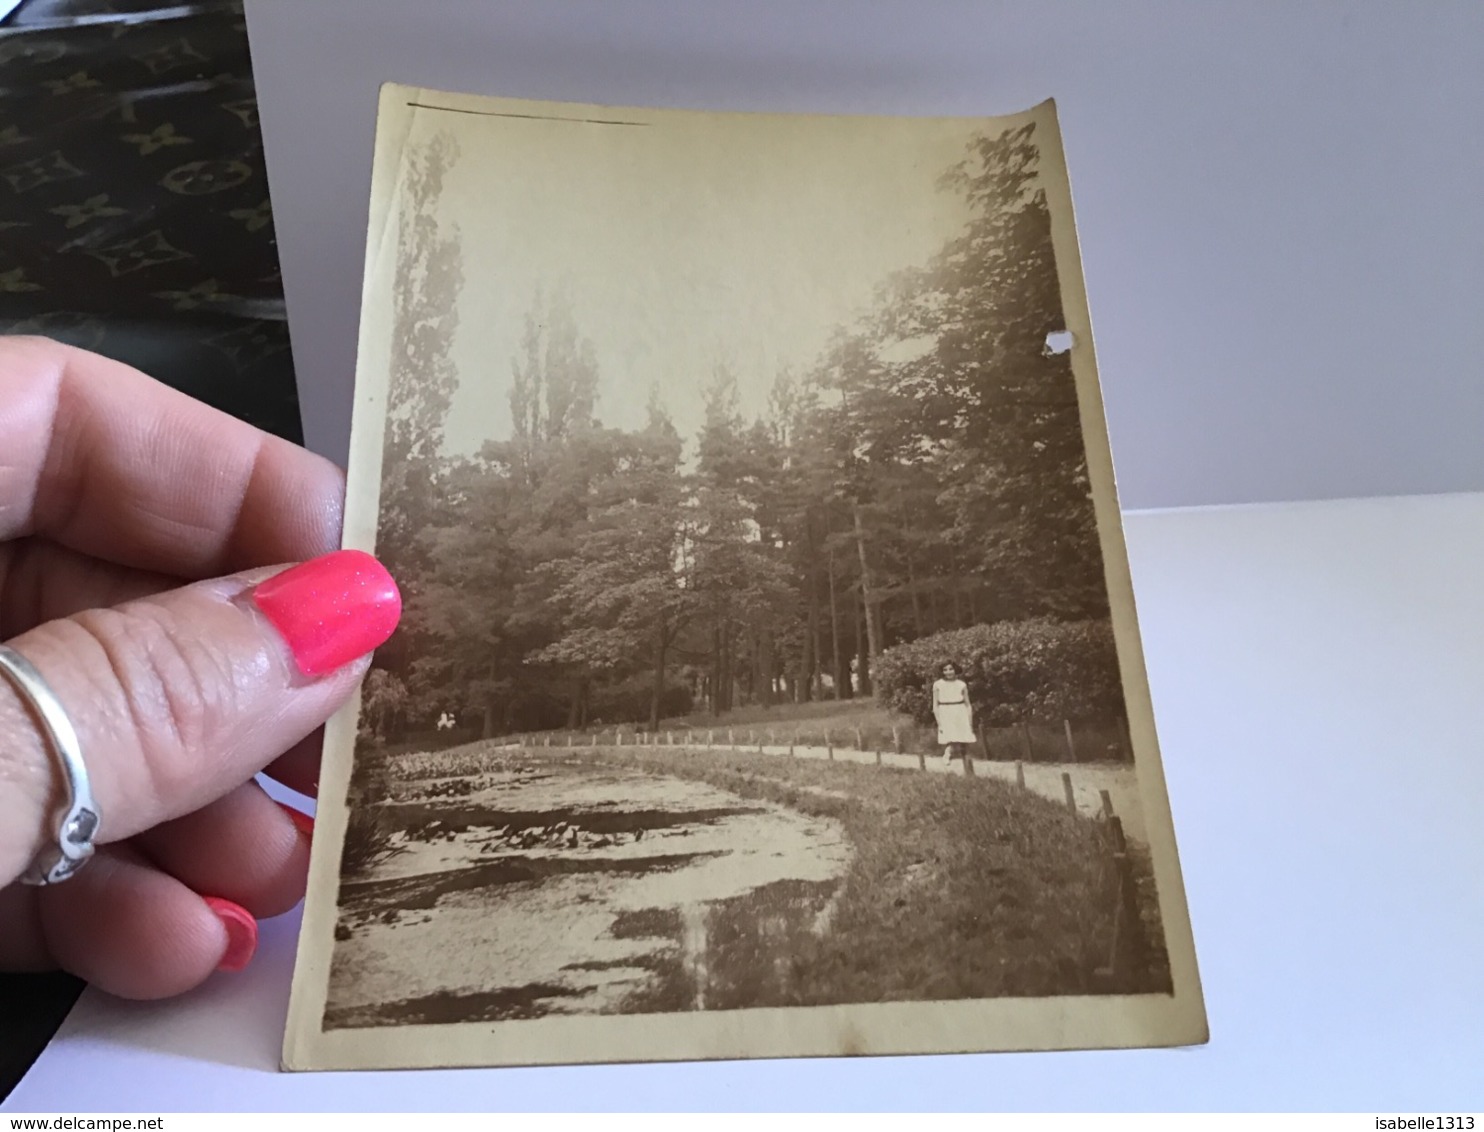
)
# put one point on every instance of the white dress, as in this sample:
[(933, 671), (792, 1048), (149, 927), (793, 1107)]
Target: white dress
[(951, 710)]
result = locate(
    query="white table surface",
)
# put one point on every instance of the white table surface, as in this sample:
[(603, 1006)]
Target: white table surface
[(1318, 675)]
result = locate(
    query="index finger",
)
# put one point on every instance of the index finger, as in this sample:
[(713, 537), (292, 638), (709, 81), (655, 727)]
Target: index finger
[(101, 458)]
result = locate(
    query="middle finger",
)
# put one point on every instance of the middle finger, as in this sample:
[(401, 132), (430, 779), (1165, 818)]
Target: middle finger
[(243, 847)]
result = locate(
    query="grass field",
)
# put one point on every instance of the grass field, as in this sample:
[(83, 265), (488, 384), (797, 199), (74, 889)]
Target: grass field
[(958, 888), (818, 714)]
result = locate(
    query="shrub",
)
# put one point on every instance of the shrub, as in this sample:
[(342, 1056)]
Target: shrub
[(383, 700), (368, 840), (368, 832), (1016, 670)]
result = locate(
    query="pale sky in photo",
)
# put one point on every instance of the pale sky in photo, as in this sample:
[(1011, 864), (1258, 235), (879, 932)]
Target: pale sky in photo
[(693, 241)]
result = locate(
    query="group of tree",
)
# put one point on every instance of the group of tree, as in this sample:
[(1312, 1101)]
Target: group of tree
[(925, 475)]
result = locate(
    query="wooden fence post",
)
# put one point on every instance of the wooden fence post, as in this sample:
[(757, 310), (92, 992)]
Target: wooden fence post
[(1071, 743), (878, 756), (1066, 785), (1025, 741), (921, 760), (793, 742), (1020, 775), (896, 738), (968, 760), (1110, 972), (1130, 942), (829, 745), (860, 744)]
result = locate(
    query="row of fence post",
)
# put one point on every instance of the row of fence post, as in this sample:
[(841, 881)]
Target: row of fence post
[(667, 738)]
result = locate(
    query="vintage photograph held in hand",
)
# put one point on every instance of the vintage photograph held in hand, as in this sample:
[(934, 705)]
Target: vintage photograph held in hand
[(769, 682)]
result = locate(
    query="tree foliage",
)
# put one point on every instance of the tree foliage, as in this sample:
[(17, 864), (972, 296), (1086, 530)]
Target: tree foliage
[(422, 377), (926, 475)]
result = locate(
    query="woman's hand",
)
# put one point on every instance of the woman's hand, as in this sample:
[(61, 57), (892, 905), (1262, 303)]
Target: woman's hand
[(117, 497)]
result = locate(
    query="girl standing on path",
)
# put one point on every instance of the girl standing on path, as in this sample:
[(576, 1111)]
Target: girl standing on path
[(952, 711)]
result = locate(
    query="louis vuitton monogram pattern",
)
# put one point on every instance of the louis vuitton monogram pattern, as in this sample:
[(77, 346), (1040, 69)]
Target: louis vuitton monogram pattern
[(132, 186)]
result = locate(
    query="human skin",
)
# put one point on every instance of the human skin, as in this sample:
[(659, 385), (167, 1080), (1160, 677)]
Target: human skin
[(151, 568)]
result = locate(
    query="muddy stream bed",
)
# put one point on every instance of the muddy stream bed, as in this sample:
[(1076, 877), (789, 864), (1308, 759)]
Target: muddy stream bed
[(545, 889)]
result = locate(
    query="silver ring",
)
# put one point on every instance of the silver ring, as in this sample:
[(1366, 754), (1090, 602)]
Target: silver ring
[(77, 821)]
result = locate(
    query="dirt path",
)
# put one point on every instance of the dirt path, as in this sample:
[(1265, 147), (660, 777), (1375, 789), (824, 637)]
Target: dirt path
[(1045, 779)]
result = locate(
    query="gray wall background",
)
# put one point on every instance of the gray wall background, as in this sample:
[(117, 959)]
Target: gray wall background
[(1279, 204)]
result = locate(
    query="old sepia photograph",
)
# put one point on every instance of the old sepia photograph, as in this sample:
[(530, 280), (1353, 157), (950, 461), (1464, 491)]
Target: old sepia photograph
[(769, 682)]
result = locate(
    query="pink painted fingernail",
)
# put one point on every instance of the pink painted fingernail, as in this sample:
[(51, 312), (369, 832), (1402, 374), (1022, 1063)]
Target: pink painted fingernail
[(331, 609), (302, 821), (242, 933)]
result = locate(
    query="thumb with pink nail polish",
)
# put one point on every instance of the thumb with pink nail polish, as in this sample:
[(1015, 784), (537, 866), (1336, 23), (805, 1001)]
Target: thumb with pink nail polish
[(179, 699), (169, 582), (331, 610)]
